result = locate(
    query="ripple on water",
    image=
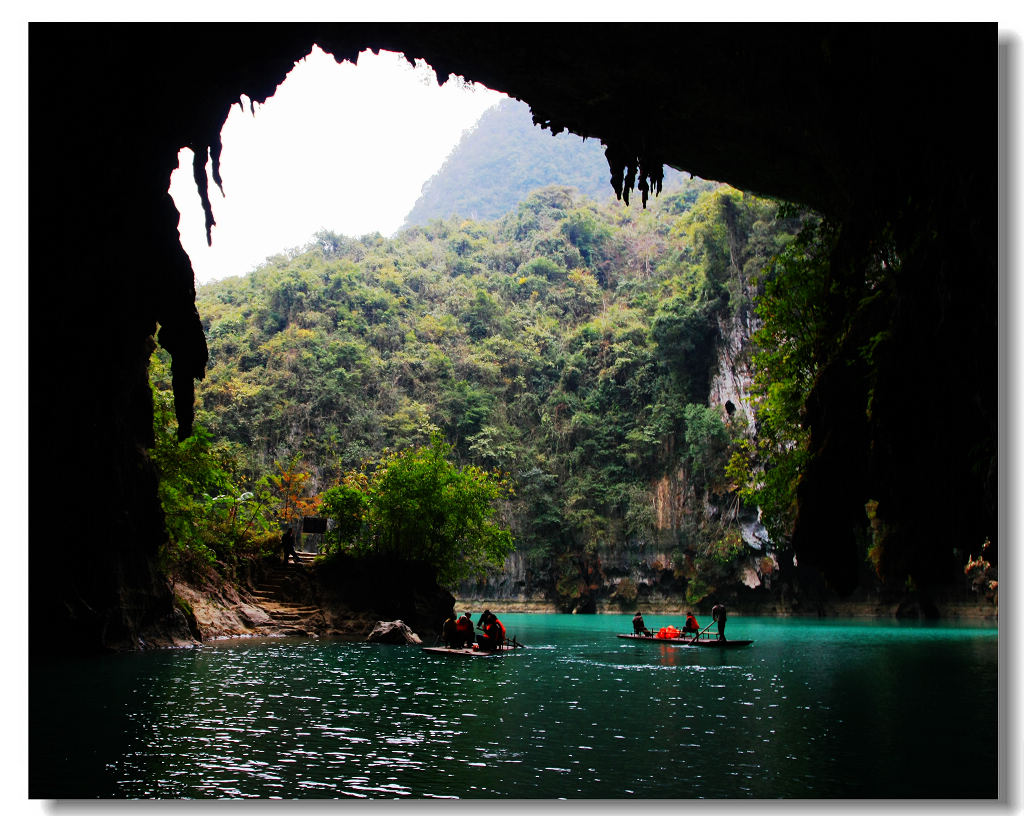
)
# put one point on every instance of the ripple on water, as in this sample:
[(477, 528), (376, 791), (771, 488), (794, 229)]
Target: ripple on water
[(328, 720)]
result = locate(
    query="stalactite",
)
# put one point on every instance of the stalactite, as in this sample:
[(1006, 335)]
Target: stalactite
[(216, 146), (626, 169), (199, 155)]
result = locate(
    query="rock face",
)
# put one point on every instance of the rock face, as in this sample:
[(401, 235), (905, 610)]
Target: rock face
[(871, 144), (733, 377), (393, 632), (216, 613), (307, 599)]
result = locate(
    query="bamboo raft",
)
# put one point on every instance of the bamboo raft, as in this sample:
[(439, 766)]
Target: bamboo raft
[(706, 640), (508, 647)]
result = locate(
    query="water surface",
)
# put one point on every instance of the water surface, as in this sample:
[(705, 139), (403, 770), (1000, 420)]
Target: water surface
[(813, 709)]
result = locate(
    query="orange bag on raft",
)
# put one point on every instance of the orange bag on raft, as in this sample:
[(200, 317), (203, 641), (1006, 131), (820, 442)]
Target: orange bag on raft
[(668, 632)]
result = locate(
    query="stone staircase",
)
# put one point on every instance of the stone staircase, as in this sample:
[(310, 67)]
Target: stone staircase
[(292, 618)]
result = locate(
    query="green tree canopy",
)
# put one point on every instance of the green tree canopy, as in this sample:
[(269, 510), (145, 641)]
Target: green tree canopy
[(213, 513), (416, 505)]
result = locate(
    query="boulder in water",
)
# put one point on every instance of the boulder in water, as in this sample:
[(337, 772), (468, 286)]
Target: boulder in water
[(392, 632)]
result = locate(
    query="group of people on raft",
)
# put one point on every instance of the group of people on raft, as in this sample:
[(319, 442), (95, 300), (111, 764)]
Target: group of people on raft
[(690, 629), (458, 633)]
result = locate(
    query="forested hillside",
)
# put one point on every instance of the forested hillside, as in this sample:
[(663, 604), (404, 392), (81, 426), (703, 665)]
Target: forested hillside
[(503, 159), (569, 346)]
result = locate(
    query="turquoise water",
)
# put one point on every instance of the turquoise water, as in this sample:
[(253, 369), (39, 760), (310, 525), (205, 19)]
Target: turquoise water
[(813, 709)]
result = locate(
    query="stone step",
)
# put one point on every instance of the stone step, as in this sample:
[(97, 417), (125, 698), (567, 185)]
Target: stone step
[(291, 616), (281, 603)]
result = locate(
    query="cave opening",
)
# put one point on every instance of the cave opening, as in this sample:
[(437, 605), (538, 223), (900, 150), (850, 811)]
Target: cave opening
[(923, 174), (343, 146)]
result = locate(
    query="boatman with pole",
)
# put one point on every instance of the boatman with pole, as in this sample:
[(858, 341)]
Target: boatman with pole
[(718, 613)]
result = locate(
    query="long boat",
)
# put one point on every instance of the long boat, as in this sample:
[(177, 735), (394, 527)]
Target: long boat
[(707, 641)]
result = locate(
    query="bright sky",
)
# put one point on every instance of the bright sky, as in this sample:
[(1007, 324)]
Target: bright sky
[(340, 147)]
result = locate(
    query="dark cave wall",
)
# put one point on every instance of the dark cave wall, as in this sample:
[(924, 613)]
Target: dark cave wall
[(889, 129)]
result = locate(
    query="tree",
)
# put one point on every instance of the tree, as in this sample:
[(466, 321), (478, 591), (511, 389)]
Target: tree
[(684, 332), (289, 484), (416, 505), (346, 504)]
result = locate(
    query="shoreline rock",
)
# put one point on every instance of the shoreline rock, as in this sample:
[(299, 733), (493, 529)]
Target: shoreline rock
[(395, 632), (219, 611)]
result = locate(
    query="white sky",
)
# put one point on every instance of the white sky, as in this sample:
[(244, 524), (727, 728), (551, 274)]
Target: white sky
[(339, 146)]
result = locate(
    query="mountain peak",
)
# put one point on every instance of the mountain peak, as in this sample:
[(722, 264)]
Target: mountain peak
[(500, 161)]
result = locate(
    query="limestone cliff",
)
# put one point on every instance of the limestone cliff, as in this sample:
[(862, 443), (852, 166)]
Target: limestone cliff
[(733, 376), (659, 571)]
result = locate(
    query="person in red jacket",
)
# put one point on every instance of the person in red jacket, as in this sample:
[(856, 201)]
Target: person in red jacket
[(464, 630), (691, 627), (494, 632)]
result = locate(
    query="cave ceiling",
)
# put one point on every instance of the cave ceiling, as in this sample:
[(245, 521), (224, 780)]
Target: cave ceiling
[(825, 115)]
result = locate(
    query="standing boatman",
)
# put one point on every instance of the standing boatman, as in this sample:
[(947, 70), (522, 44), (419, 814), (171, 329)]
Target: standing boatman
[(719, 614)]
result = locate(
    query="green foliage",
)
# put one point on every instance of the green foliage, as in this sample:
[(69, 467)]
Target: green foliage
[(212, 516), (697, 589), (562, 344), (416, 505), (707, 444), (795, 291), (685, 334), (346, 504), (543, 268)]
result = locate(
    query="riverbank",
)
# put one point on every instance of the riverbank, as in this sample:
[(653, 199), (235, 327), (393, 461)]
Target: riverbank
[(905, 608), (227, 612), (287, 601), (339, 598)]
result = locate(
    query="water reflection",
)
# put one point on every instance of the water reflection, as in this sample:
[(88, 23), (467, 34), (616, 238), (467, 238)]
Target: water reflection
[(806, 712)]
